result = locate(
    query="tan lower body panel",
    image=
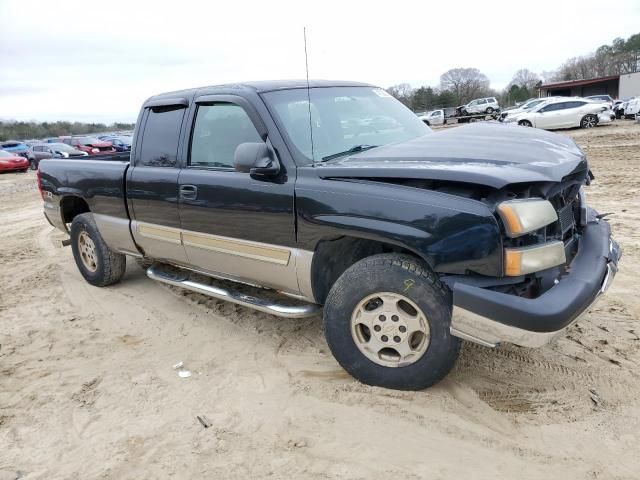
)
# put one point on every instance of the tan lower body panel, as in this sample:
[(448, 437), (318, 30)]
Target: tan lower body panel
[(274, 266)]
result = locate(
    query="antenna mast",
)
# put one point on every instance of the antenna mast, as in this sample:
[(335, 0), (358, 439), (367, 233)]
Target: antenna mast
[(306, 64)]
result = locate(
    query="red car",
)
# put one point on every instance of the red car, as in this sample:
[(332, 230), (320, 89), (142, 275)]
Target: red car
[(10, 162), (91, 145)]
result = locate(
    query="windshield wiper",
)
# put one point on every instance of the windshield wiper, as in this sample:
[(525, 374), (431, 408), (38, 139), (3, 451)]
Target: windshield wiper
[(354, 149)]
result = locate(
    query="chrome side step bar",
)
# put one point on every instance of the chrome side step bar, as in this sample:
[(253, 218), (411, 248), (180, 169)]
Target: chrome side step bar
[(182, 280)]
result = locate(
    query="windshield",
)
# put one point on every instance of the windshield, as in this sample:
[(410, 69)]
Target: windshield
[(532, 103), (343, 118)]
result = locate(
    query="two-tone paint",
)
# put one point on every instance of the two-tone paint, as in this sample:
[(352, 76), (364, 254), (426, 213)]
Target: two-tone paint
[(272, 230)]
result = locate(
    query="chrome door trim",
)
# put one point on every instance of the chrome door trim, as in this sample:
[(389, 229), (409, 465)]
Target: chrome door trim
[(159, 232), (257, 251)]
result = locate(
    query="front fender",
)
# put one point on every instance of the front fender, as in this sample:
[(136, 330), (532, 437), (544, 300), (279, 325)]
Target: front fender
[(452, 234)]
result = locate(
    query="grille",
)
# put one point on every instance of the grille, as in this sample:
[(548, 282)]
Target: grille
[(566, 218)]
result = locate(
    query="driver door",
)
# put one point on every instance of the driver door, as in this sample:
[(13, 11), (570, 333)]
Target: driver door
[(235, 224)]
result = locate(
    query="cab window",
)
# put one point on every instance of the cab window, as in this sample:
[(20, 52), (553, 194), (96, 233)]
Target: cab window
[(160, 137), (217, 132)]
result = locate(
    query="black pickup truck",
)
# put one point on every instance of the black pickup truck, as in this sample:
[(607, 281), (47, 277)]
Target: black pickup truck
[(335, 195)]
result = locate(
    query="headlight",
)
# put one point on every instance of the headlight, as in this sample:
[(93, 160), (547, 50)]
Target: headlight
[(95, 150), (524, 216), (520, 261)]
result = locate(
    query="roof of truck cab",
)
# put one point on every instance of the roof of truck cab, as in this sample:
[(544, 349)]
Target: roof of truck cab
[(259, 87)]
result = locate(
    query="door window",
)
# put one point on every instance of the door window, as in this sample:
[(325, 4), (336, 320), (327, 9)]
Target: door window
[(160, 138), (217, 132)]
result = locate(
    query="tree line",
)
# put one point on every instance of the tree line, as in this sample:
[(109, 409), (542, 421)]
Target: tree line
[(459, 86), (10, 130)]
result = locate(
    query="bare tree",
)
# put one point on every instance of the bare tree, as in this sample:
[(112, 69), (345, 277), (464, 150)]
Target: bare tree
[(525, 78), (402, 92), (465, 83)]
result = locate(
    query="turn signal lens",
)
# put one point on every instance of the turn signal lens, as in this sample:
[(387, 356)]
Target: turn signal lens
[(524, 216), (520, 261)]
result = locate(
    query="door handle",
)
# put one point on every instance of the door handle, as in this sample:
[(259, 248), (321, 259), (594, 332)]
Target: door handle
[(188, 192)]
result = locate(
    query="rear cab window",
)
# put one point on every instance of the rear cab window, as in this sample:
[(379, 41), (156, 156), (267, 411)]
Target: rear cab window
[(160, 137)]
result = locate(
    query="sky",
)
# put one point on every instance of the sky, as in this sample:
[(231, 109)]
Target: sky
[(97, 61)]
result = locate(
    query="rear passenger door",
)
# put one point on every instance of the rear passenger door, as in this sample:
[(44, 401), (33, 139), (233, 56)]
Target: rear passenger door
[(152, 183), (235, 224)]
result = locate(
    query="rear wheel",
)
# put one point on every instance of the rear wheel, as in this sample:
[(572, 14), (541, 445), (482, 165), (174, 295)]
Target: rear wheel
[(525, 123), (588, 121), (387, 320), (97, 263)]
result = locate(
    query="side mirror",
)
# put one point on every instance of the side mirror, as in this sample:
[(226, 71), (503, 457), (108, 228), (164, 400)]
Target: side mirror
[(256, 159)]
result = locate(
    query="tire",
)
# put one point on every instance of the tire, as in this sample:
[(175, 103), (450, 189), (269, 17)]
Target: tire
[(489, 110), (97, 263), (588, 121), (391, 276), (525, 123)]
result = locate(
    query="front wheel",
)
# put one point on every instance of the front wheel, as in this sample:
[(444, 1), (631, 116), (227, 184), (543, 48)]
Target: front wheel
[(387, 319), (489, 110), (588, 121), (99, 265), (525, 123)]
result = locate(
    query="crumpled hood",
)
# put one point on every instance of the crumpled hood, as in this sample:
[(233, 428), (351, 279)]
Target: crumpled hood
[(492, 154)]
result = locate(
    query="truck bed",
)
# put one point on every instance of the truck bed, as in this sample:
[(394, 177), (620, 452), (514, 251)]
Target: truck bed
[(99, 180)]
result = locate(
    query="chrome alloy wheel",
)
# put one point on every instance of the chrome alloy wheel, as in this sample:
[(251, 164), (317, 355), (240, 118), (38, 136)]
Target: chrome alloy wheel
[(589, 121), (390, 329), (87, 250)]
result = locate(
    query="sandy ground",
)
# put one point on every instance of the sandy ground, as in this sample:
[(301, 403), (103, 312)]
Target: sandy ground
[(87, 388)]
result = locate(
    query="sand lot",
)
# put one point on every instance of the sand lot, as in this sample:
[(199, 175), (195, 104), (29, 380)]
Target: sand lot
[(87, 388)]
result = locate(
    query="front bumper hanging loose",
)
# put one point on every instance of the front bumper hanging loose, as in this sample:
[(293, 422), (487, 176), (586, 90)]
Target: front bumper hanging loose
[(490, 318)]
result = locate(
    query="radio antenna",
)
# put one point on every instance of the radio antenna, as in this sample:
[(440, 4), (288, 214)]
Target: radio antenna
[(306, 65)]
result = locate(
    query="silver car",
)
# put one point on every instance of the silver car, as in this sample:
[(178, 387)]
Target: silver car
[(41, 151), (481, 105)]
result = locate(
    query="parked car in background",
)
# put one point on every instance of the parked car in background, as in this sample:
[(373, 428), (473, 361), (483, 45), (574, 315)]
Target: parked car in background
[(601, 98), (528, 105), (560, 113), (11, 162), (481, 105), (42, 151), (617, 104), (119, 143), (91, 145), (436, 117), (632, 108), (16, 147)]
